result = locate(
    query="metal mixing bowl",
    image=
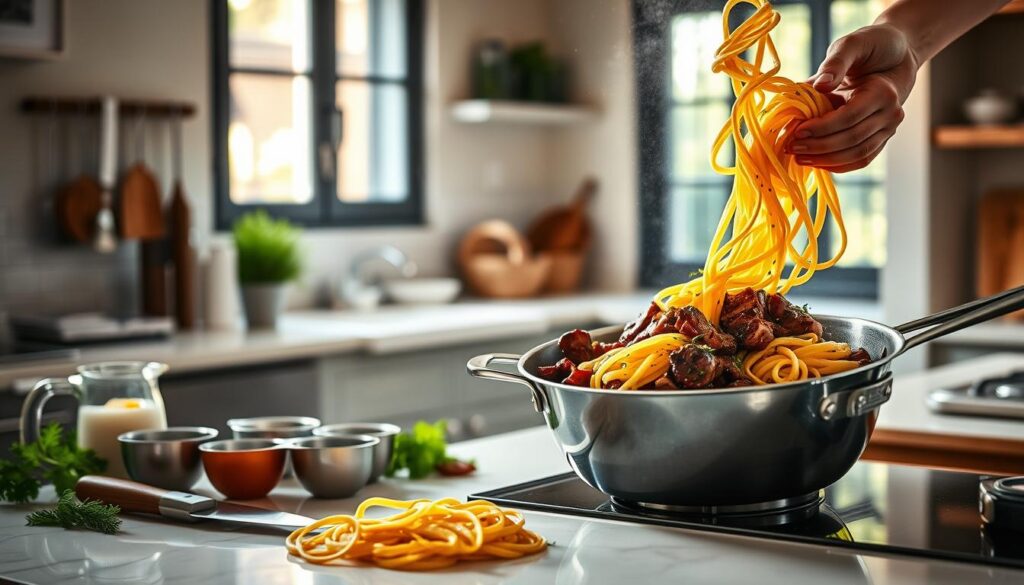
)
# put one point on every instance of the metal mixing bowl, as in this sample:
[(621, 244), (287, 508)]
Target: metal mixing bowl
[(274, 427), (333, 467), (383, 431), (165, 458)]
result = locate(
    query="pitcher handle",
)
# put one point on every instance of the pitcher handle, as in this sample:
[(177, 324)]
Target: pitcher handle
[(479, 367), (32, 408)]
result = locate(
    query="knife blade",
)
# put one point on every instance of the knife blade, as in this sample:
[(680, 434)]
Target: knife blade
[(137, 498)]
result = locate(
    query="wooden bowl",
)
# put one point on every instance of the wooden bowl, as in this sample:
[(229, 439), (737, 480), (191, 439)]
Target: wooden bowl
[(495, 276)]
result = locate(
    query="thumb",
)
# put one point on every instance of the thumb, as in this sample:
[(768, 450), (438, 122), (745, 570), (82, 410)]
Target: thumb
[(841, 56)]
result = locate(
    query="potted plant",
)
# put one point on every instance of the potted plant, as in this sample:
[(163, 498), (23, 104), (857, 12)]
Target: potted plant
[(268, 259)]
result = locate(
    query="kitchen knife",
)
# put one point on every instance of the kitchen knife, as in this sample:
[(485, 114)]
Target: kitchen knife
[(138, 498)]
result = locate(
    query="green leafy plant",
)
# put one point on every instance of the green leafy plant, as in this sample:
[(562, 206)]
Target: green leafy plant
[(74, 513), (268, 249), (52, 458)]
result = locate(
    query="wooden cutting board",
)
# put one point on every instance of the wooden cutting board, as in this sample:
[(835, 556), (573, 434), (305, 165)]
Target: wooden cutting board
[(1000, 248)]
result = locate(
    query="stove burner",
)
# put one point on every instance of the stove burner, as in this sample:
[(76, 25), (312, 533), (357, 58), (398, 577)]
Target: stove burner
[(774, 513), (1007, 387)]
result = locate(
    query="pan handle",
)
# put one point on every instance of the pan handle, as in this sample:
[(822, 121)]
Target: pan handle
[(479, 368), (957, 318)]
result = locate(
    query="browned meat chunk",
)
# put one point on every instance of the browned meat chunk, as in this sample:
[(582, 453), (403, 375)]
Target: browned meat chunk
[(790, 319), (558, 371), (743, 316), (694, 366), (861, 356), (690, 322), (665, 383), (578, 377), (638, 325), (732, 375), (601, 348), (577, 346)]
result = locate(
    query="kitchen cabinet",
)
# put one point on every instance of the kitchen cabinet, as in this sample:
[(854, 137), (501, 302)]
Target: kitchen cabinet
[(210, 398), (406, 387)]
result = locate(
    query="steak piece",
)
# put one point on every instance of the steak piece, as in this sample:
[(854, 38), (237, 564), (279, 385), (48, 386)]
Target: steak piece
[(577, 346), (640, 324), (861, 356), (789, 318), (694, 366), (665, 383), (743, 316), (689, 321)]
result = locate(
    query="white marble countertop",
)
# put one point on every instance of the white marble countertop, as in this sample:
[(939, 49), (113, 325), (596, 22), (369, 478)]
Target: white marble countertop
[(907, 411), (582, 551), (309, 334)]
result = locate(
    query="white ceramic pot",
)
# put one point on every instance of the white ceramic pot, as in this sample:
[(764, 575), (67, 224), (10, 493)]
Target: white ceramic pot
[(263, 303), (990, 107)]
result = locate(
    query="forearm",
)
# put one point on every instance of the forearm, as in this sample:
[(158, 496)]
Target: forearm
[(930, 26)]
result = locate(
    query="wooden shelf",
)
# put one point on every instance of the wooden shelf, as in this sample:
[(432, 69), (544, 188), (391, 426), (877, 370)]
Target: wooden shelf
[(509, 112), (1015, 7), (1010, 136)]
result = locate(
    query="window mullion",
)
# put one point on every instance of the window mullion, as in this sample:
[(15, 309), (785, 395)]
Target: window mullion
[(324, 108)]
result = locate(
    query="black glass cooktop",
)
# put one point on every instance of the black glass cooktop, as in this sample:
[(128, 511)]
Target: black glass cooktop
[(876, 506)]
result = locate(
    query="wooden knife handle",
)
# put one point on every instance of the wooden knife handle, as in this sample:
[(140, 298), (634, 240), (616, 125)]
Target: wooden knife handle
[(130, 496)]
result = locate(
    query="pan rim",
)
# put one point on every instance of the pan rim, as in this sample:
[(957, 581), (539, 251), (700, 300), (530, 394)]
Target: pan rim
[(812, 383)]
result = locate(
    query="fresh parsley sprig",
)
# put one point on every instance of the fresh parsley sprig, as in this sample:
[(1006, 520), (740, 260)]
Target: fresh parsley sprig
[(74, 513), (53, 458)]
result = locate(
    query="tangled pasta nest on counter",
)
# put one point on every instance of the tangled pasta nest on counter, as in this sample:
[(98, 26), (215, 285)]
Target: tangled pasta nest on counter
[(422, 535)]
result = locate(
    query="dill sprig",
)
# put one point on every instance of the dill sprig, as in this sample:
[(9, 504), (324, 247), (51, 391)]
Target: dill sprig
[(74, 513)]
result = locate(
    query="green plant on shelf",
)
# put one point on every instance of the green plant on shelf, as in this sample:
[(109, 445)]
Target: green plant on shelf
[(268, 249)]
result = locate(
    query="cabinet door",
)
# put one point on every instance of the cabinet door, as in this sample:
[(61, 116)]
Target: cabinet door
[(211, 398)]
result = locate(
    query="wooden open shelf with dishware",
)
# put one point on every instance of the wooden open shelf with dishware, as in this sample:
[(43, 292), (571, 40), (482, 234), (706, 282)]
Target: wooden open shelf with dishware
[(965, 136)]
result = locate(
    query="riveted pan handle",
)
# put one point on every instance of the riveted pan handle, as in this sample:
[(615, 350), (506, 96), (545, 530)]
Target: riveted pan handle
[(957, 318), (479, 367)]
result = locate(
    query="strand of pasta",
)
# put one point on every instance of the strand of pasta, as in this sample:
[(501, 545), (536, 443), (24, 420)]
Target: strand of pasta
[(788, 359), (770, 207), (421, 535), (635, 365)]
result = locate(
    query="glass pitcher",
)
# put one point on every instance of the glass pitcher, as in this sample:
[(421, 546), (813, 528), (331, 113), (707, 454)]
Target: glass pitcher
[(113, 398)]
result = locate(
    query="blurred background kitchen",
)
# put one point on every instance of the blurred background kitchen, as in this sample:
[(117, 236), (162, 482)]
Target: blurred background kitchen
[(467, 175)]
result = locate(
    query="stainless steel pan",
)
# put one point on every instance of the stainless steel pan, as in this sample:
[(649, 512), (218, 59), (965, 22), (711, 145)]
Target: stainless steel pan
[(751, 447)]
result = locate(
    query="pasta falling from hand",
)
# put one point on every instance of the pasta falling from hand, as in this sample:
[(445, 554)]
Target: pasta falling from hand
[(731, 325)]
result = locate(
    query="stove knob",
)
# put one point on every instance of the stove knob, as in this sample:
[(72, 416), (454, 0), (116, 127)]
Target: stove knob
[(1001, 502)]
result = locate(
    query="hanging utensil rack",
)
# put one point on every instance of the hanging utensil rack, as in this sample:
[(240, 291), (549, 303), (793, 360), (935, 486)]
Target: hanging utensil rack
[(92, 105)]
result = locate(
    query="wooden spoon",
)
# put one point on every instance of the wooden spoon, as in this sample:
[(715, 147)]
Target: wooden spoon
[(564, 227), (79, 202)]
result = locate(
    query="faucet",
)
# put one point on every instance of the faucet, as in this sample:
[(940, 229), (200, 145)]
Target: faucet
[(357, 290)]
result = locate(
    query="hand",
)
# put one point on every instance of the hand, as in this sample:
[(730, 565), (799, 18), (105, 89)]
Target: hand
[(872, 70)]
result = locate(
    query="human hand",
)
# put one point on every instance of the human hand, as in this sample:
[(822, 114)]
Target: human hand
[(872, 70)]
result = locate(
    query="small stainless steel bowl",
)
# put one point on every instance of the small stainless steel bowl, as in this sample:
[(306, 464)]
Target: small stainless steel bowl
[(333, 467), (165, 458), (273, 427), (383, 431)]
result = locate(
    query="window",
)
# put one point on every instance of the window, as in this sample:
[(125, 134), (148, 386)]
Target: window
[(682, 106), (318, 110)]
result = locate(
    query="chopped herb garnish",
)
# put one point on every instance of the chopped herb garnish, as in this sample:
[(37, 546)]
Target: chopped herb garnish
[(74, 513)]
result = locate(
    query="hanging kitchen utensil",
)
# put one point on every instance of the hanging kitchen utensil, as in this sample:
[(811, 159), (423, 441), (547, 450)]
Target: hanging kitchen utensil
[(81, 200), (180, 217), (141, 213), (105, 238), (564, 227), (142, 218)]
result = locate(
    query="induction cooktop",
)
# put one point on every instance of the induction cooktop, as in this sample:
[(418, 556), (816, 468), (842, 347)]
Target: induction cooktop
[(876, 506)]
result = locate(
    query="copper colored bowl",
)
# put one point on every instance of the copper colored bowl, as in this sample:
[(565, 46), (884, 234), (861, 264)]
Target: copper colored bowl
[(244, 469)]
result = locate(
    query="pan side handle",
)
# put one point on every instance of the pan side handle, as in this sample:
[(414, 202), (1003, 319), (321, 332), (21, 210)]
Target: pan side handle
[(958, 318), (479, 367)]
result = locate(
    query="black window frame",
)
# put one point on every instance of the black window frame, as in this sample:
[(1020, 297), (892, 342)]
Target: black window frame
[(325, 209), (652, 20)]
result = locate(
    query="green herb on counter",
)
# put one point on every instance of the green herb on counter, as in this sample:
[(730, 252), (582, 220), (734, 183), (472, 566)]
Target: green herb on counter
[(424, 450), (74, 513), (268, 249), (50, 459)]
